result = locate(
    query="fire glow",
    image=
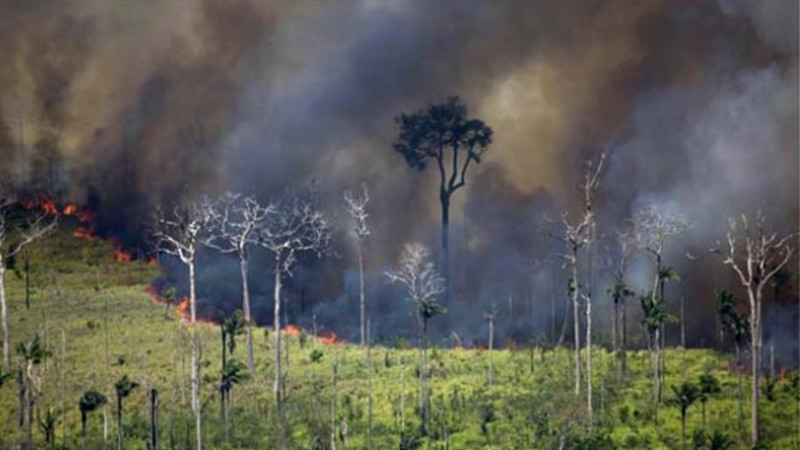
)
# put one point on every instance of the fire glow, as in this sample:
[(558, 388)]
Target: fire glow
[(120, 255), (183, 311)]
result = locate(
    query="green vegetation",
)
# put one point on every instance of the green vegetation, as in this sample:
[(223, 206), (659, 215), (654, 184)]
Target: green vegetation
[(531, 405)]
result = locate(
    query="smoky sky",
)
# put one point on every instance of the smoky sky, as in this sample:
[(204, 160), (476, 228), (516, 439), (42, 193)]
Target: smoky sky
[(124, 105)]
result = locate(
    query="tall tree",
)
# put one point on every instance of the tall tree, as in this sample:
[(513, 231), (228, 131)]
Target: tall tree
[(90, 401), (755, 254), (591, 180), (443, 133), (18, 229), (123, 388), (235, 222), (576, 236), (357, 207), (653, 226), (294, 227), (423, 285), (180, 233)]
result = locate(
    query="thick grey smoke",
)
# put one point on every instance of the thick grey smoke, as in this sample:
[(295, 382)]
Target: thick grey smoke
[(122, 105)]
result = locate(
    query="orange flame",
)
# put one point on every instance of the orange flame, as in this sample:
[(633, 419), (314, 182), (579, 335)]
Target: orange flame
[(291, 330), (69, 209), (121, 255), (183, 306), (49, 206), (84, 233), (151, 292), (330, 338)]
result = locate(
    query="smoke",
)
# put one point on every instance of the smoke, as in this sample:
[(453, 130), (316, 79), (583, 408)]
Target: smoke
[(125, 105)]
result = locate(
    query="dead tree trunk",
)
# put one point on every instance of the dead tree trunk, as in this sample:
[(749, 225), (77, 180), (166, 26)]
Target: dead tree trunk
[(576, 322), (195, 362), (4, 305), (243, 263), (334, 371), (276, 323), (153, 419)]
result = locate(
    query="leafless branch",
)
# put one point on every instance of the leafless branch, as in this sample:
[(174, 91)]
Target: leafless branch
[(357, 207)]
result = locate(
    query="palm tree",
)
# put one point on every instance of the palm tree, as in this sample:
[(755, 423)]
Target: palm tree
[(123, 387), (48, 425), (709, 386), (654, 312), (685, 395), (232, 374), (90, 401), (720, 441)]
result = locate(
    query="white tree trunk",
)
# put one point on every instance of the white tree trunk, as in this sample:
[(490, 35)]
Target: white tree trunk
[(3, 301), (362, 302), (589, 356), (276, 382), (246, 310), (577, 328), (491, 348), (195, 357), (755, 360)]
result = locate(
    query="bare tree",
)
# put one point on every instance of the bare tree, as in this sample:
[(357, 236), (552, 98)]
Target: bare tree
[(235, 223), (423, 285), (294, 227), (755, 254), (590, 184), (180, 233), (652, 228), (576, 236), (19, 229), (443, 133), (357, 207)]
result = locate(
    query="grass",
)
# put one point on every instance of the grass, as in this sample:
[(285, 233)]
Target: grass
[(81, 296)]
